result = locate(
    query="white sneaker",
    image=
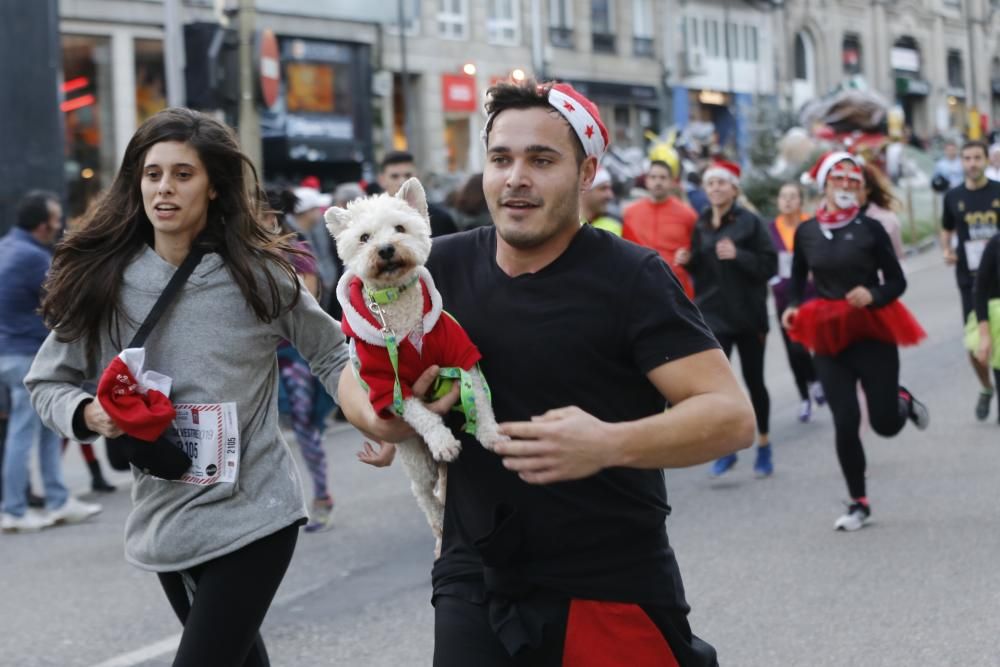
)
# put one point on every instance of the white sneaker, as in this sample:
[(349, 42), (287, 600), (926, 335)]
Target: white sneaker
[(857, 516), (74, 511), (29, 523)]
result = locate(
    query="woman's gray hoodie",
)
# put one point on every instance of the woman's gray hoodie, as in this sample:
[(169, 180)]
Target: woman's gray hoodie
[(216, 350)]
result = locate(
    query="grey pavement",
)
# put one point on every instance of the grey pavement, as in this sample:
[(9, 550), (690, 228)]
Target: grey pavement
[(769, 581)]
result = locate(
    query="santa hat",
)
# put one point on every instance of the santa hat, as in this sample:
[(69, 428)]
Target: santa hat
[(310, 182), (582, 115), (725, 170), (825, 164), (135, 398), (603, 176)]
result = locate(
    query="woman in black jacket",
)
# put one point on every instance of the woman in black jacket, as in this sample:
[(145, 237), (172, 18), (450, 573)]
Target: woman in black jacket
[(855, 324), (731, 259)]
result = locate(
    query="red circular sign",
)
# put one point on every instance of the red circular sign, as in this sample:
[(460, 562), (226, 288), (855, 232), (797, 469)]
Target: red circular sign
[(269, 67)]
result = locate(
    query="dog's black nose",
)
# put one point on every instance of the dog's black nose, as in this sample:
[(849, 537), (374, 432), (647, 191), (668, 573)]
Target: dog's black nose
[(387, 251)]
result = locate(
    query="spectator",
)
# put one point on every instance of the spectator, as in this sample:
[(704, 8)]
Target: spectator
[(398, 166), (470, 204)]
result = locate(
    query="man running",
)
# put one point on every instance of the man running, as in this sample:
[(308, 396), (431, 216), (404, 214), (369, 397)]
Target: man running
[(970, 219)]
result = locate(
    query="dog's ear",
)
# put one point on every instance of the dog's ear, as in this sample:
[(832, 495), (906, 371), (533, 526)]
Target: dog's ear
[(337, 220), (413, 194)]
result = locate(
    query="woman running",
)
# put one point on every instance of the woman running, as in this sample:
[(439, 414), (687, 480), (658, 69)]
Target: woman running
[(221, 536), (731, 259), (782, 229), (856, 324), (987, 294)]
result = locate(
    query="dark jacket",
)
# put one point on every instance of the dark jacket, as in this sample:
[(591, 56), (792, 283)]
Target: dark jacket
[(732, 294), (24, 263)]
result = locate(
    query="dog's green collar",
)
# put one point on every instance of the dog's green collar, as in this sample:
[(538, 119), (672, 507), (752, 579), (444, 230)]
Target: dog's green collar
[(385, 296)]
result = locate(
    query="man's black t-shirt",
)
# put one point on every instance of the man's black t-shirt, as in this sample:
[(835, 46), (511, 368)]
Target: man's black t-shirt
[(975, 216), (582, 331)]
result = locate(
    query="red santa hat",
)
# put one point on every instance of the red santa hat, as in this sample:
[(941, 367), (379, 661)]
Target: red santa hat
[(727, 171), (135, 398), (310, 182), (825, 166), (579, 112)]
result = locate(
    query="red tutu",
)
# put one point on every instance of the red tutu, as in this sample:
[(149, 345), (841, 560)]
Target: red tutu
[(828, 326)]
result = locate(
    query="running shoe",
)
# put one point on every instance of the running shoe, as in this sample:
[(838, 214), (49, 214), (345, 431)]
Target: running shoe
[(983, 404), (763, 467), (805, 411), (73, 511), (29, 522), (857, 515), (915, 410), (816, 390), (320, 518), (723, 465)]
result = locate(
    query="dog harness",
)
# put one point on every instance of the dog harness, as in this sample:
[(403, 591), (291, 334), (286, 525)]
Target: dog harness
[(387, 366)]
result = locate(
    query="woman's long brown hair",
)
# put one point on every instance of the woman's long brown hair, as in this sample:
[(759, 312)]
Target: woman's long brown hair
[(82, 292)]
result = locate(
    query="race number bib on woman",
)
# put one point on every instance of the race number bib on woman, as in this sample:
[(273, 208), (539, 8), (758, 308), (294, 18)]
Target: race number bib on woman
[(209, 434)]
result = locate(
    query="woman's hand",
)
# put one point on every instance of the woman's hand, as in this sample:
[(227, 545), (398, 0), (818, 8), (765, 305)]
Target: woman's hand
[(99, 421), (859, 297), (682, 256), (788, 317), (725, 249), (380, 459)]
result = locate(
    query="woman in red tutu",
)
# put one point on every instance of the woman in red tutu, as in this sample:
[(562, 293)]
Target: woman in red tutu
[(855, 326)]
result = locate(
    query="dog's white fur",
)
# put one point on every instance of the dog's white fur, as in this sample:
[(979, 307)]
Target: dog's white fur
[(403, 223)]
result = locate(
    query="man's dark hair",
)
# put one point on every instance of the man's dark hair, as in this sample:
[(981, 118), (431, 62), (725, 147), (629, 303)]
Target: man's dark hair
[(976, 143), (395, 157), (661, 163), (33, 209), (526, 95)]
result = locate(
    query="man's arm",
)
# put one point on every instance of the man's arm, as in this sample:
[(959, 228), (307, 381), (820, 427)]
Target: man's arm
[(711, 417), (353, 400)]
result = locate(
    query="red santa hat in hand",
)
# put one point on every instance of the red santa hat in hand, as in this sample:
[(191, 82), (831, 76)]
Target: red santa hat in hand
[(135, 398), (727, 171)]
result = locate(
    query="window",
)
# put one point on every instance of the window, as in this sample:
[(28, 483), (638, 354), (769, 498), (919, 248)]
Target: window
[(411, 18), (317, 87), (561, 23), (852, 54), (751, 43), (732, 41), (642, 18), (691, 35), (956, 78), (801, 67), (602, 26), (453, 18), (502, 25), (713, 37)]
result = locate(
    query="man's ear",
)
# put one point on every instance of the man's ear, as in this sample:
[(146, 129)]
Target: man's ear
[(337, 220), (588, 171), (413, 194)]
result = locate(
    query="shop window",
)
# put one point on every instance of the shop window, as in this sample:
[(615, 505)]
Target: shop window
[(456, 141), (88, 119), (502, 22), (851, 53), (318, 87), (453, 19), (150, 89), (956, 78)]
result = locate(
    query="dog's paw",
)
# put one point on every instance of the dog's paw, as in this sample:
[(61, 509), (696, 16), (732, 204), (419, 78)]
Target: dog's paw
[(490, 438), (444, 448)]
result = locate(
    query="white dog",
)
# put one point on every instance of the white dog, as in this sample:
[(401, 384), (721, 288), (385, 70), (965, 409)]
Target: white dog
[(393, 318)]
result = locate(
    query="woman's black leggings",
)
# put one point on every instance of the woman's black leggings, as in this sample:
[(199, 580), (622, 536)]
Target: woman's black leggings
[(876, 365), (232, 595), (801, 362), (751, 348)]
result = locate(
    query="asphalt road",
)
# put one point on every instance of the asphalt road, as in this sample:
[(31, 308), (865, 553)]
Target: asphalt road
[(770, 582)]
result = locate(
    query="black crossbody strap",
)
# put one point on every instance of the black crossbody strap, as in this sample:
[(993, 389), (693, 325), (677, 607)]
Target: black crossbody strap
[(177, 281)]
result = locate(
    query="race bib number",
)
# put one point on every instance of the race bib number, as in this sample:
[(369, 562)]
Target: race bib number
[(974, 253), (784, 265), (209, 433)]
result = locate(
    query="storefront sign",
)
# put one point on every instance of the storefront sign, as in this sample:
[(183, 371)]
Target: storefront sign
[(458, 92), (904, 59)]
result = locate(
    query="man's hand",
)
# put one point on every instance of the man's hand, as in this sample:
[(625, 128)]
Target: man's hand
[(725, 249), (380, 459), (859, 297), (682, 256), (99, 421), (563, 444), (950, 256), (788, 317)]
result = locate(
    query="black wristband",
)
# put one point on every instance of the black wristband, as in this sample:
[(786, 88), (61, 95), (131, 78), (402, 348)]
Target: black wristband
[(80, 429)]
